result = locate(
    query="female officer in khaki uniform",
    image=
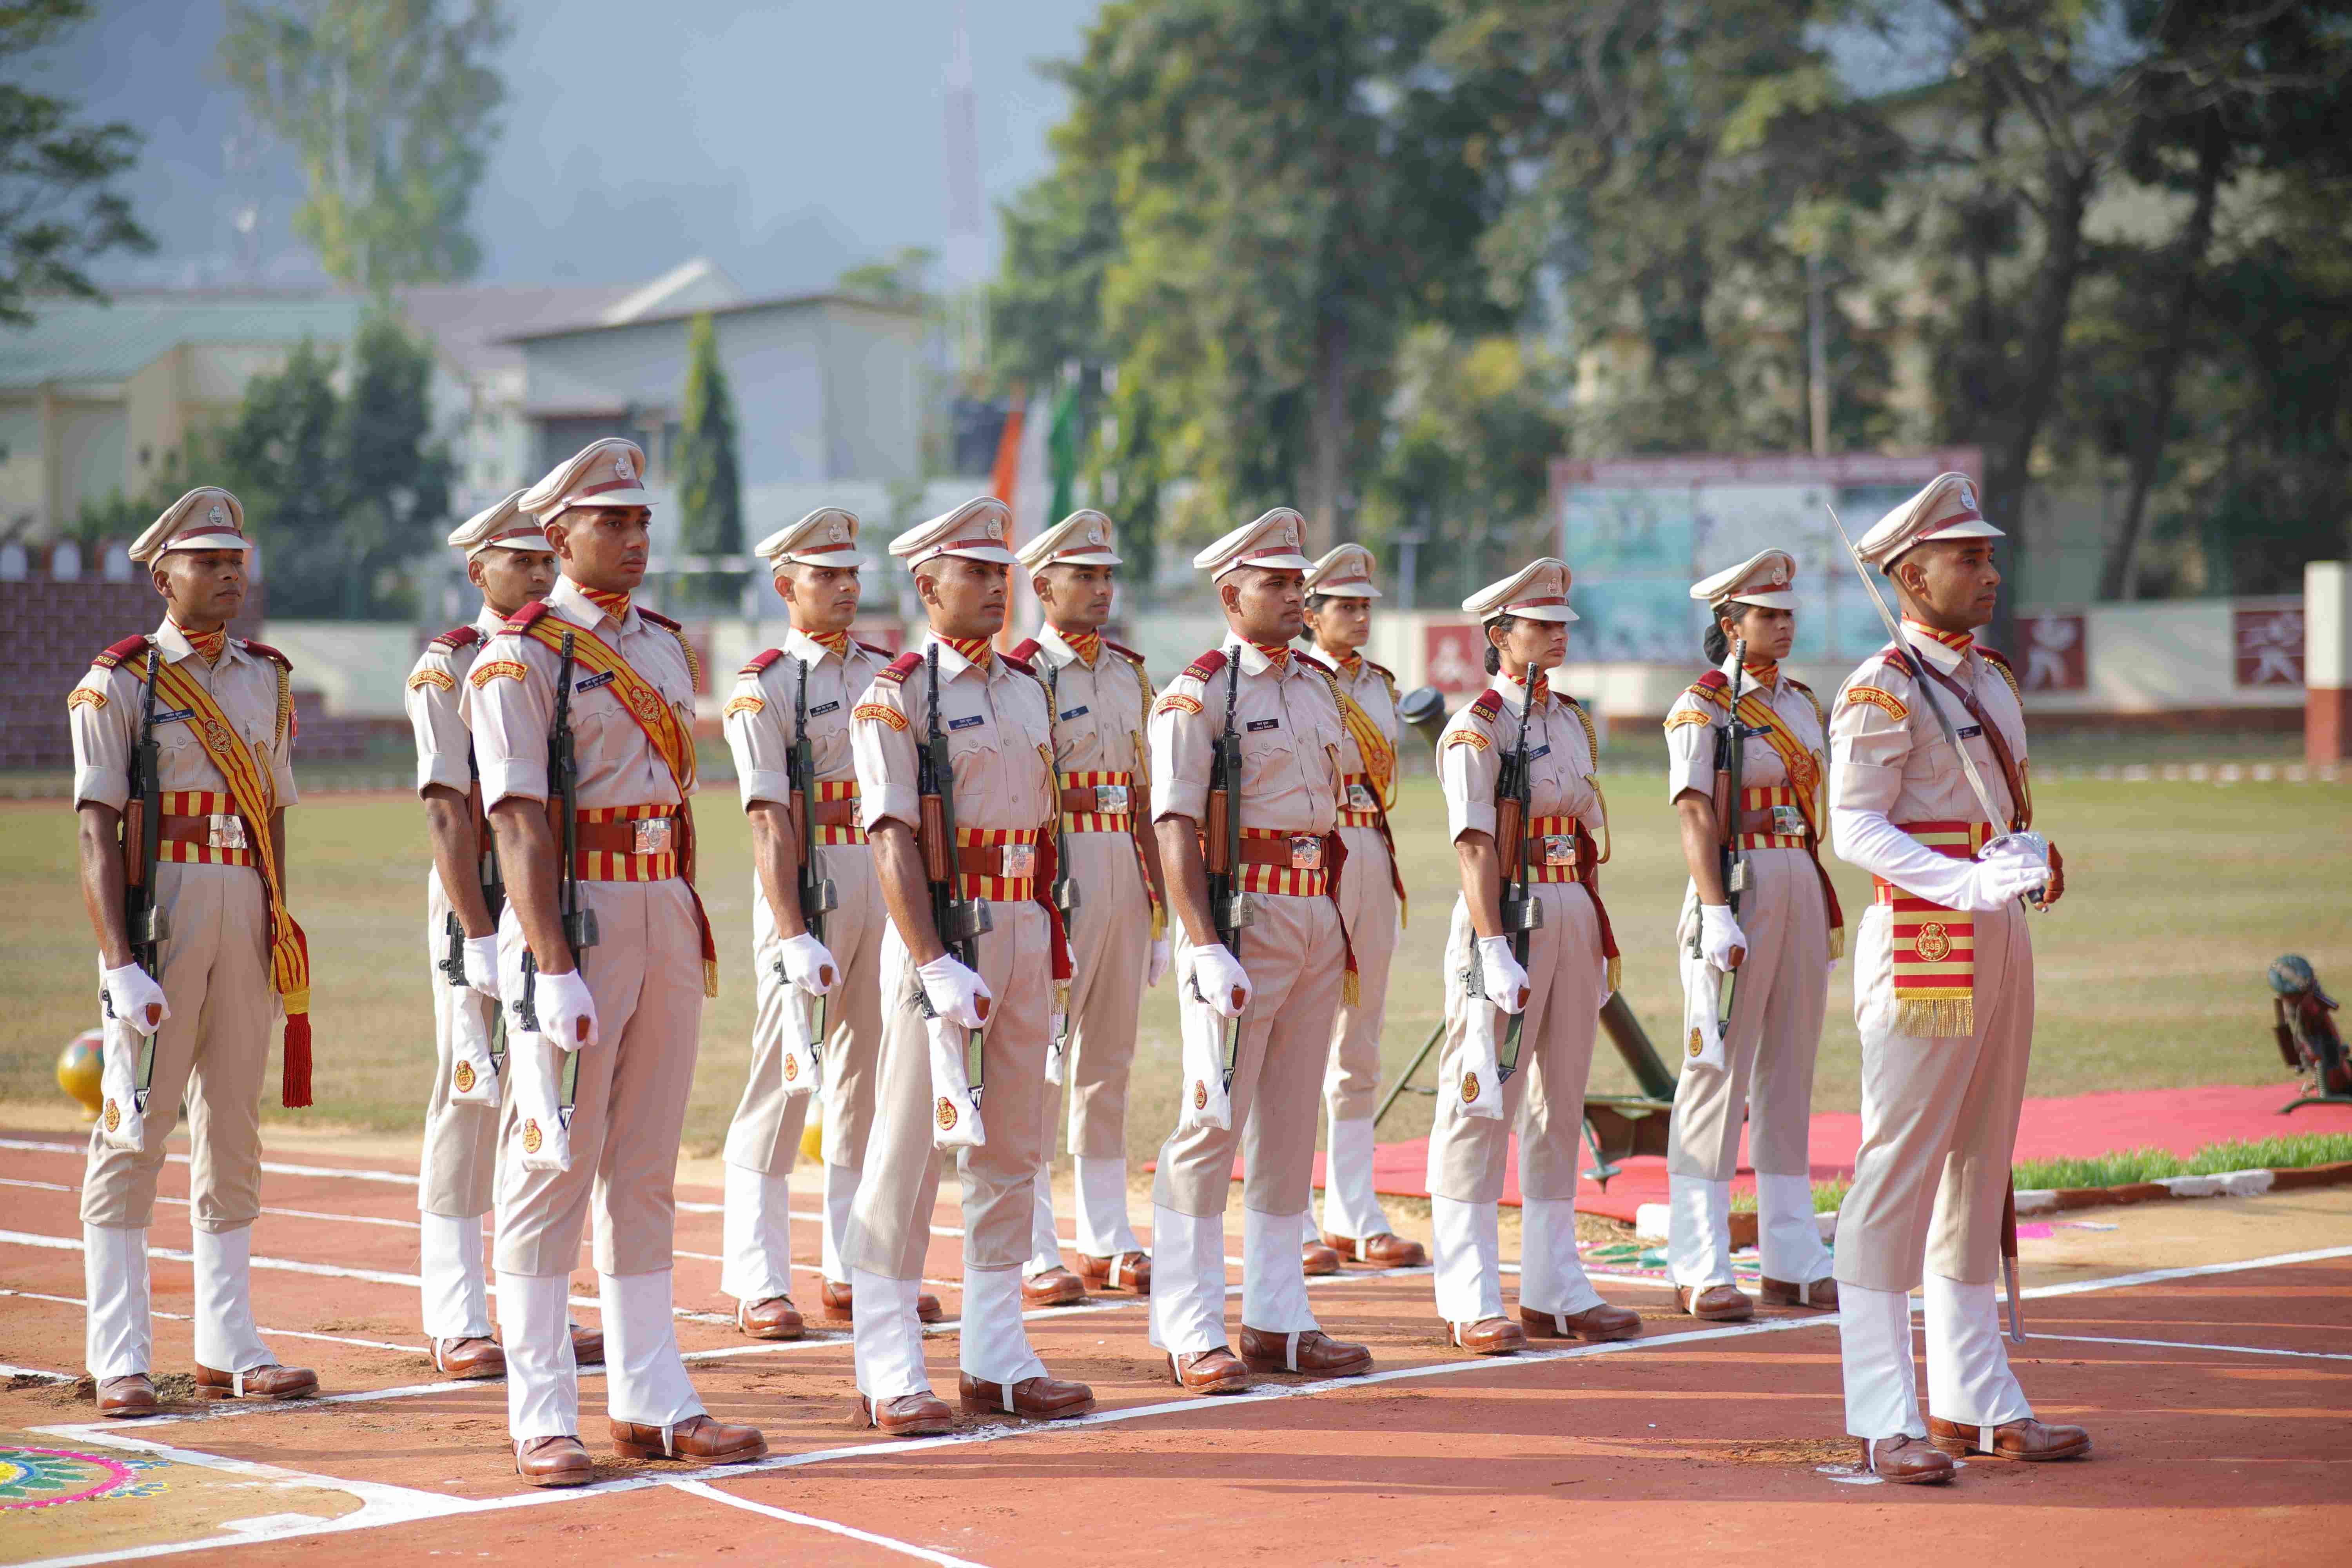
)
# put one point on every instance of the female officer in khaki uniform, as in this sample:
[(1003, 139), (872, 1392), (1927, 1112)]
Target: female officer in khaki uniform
[(1569, 972), (1788, 926)]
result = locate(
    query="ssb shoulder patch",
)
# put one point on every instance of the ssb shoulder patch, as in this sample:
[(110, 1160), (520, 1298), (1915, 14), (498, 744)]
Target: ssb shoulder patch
[(1176, 702), (881, 713), (1682, 716), (440, 680), (1207, 665), (1886, 702), (1466, 738), (85, 697), (898, 668), (498, 669), (746, 703)]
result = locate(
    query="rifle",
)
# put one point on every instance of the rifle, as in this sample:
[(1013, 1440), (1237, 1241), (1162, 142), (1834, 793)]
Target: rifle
[(492, 882), (1065, 889), (1514, 796), (1730, 758), (960, 922), (142, 832), (818, 895), (579, 924), (1229, 907)]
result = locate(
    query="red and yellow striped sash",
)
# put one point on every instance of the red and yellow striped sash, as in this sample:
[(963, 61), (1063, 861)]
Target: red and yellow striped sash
[(1763, 797), (1562, 829), (1097, 821), (1935, 947), (1287, 881), (828, 833), (997, 890), (608, 865)]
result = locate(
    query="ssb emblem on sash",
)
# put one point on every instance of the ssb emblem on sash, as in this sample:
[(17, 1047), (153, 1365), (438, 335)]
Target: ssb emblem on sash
[(531, 1138), (464, 1078), (114, 1116), (1933, 943), (1200, 1094), (947, 1113), (791, 1067), (1698, 1044), (1469, 1086)]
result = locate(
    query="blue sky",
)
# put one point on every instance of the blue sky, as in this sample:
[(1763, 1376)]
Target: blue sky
[(785, 141)]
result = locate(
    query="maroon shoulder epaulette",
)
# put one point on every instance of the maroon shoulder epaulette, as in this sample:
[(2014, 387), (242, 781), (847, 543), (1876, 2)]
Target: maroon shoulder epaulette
[(1024, 651), (1383, 670), (898, 668), (876, 649), (521, 620), (1125, 652), (1490, 705), (115, 653), (1023, 665), (760, 661), (1714, 680), (1798, 684), (1310, 656), (457, 637), (660, 620), (1207, 665), (271, 654), (1998, 657)]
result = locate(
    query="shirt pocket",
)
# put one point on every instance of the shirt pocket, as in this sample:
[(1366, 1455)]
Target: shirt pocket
[(1270, 756)]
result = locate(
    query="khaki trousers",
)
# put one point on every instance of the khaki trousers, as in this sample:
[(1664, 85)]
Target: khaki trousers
[(1367, 904), (1544, 1100), (646, 974), (214, 1050), (459, 1164), (1939, 1117), (765, 1135), (1110, 943), (889, 1223), (1774, 1034), (1294, 958)]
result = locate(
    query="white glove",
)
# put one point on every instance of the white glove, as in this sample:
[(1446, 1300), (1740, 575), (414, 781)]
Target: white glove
[(809, 964), (567, 1013), (1701, 1041), (957, 995), (473, 1075), (1156, 970), (1720, 940), (955, 1105), (541, 1143), (121, 1123), (481, 955), (1477, 1081), (130, 994), (1499, 972), (2006, 870), (1203, 1102), (1219, 980), (802, 1063)]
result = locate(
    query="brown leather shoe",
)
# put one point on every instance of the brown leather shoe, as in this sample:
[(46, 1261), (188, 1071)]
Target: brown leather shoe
[(553, 1462), (1488, 1336), (1058, 1287), (587, 1346), (1597, 1323), (1209, 1372), (128, 1397), (697, 1440), (469, 1358), (1817, 1293), (1038, 1398), (908, 1416), (1716, 1303), (1126, 1272), (271, 1382), (1905, 1461), (2028, 1440), (834, 1296), (774, 1318), (1386, 1250), (1314, 1352), (1314, 1258)]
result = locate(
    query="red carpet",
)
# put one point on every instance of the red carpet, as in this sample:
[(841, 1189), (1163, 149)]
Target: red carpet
[(2179, 1119)]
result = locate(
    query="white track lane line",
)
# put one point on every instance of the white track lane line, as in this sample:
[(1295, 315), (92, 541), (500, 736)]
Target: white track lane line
[(182, 1203), (909, 1549), (436, 1506), (75, 1302), (2186, 1345), (40, 1372)]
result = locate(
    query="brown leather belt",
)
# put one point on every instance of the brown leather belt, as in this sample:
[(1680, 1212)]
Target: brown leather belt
[(636, 835), (199, 830), (1278, 851), (992, 859), (1082, 798), (836, 813)]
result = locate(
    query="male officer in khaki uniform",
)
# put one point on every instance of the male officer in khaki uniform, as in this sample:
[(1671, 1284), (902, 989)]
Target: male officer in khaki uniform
[(1285, 985), (1101, 699), (628, 1008), (1339, 595), (510, 560), (819, 670), (230, 954), (1942, 1000), (999, 736), (1758, 1068)]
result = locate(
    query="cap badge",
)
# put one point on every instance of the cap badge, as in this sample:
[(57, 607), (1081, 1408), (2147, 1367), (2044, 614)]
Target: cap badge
[(1094, 533), (1780, 574), (622, 467), (1967, 495), (216, 517), (836, 531), (995, 529)]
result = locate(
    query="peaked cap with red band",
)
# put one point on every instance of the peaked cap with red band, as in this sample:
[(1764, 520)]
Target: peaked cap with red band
[(206, 518), (505, 526), (1945, 509), (1537, 592), (610, 472)]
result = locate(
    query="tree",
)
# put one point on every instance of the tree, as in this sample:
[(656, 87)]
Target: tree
[(392, 107), (710, 479), (59, 208)]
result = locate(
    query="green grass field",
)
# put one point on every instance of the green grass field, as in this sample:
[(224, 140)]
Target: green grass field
[(2151, 970)]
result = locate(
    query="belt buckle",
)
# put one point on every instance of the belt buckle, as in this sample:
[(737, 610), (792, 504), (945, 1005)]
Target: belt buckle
[(1020, 861), (1359, 798), (1111, 799), (1307, 852), (650, 835), (226, 830), (1559, 849), (1788, 822)]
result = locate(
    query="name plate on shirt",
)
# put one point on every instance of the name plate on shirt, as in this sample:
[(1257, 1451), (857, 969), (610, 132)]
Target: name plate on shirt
[(176, 716), (1307, 852), (967, 722), (1542, 751), (1788, 822), (821, 708), (1257, 724), (1359, 798), (650, 835), (1559, 849), (594, 681), (1020, 861), (1969, 731), (1076, 712), (1109, 799)]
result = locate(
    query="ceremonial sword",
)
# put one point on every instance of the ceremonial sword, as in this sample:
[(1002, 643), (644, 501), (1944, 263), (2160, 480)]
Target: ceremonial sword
[(1978, 787)]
